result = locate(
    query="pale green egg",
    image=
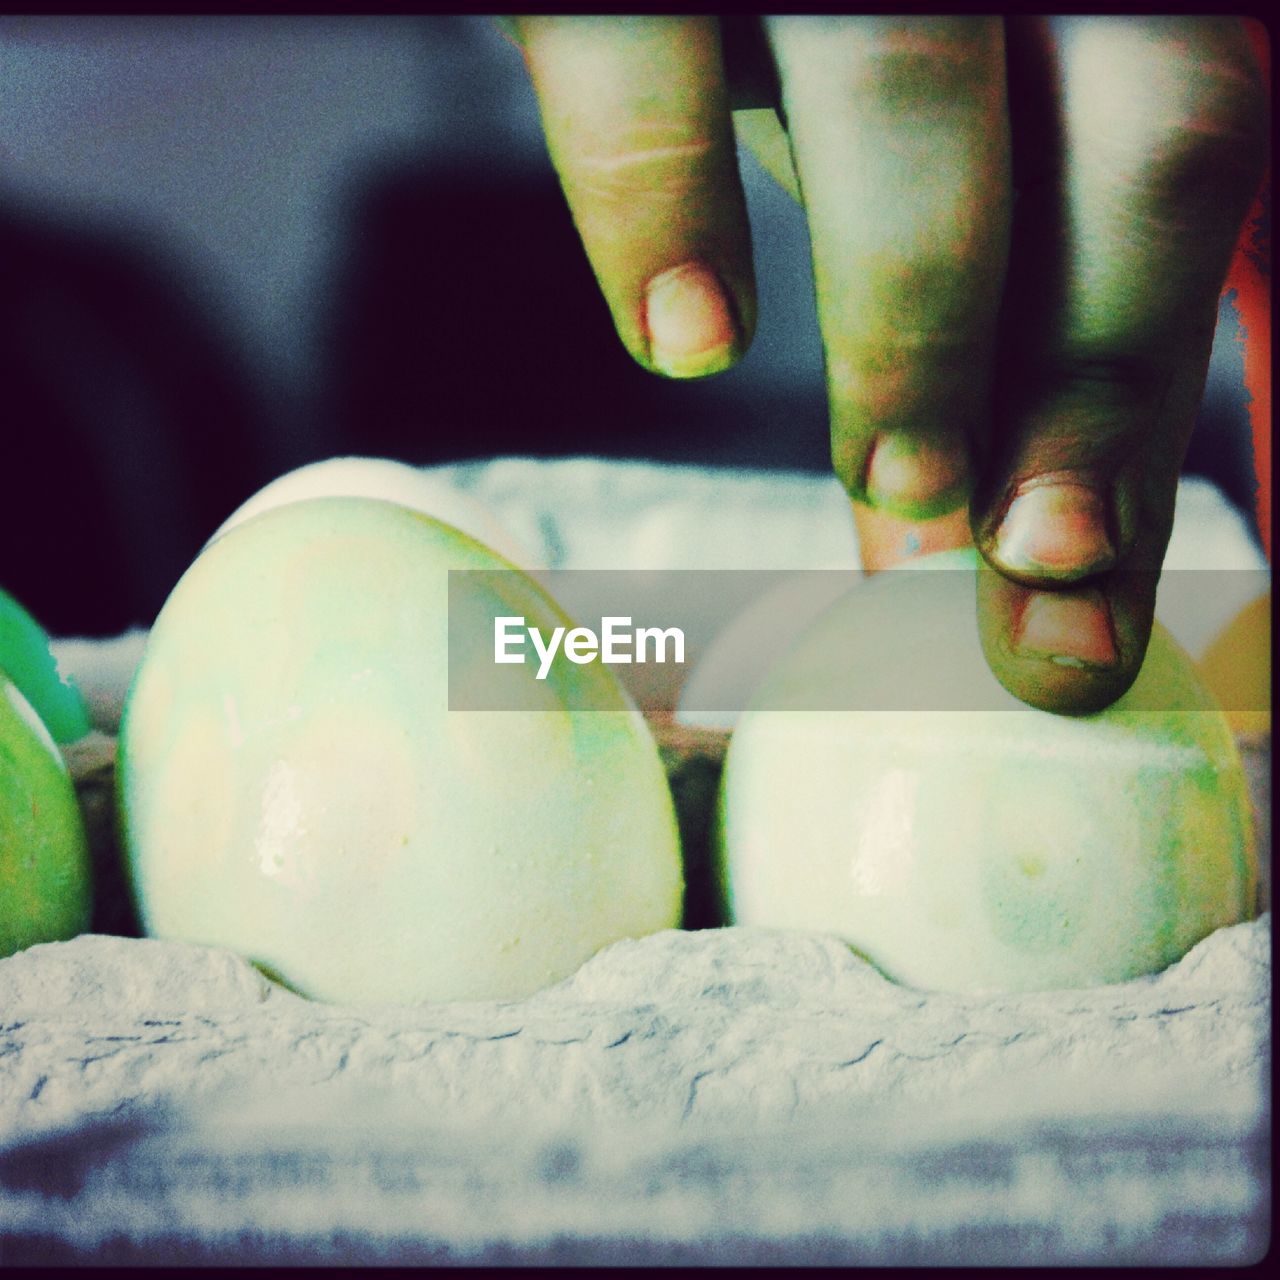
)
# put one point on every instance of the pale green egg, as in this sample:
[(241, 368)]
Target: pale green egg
[(294, 786), (884, 788), (45, 876)]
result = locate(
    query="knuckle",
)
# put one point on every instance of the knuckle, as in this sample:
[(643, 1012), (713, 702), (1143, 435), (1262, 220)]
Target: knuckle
[(1177, 109), (928, 67), (899, 380), (659, 170), (1212, 138), (899, 66), (914, 343)]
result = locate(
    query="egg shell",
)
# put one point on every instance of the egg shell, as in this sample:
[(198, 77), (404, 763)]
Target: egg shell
[(996, 848), (293, 786), (46, 890), (1237, 667), (744, 650), (391, 481), (29, 662)]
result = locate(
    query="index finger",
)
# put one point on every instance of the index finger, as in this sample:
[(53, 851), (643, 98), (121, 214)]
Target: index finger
[(636, 116)]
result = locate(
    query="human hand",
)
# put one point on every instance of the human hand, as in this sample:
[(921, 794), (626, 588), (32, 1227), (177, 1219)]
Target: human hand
[(1020, 229)]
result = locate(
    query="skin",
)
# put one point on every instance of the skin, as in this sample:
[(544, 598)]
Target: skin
[(1020, 230)]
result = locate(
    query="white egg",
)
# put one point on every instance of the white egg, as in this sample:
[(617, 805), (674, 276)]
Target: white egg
[(294, 786), (1193, 606), (744, 650), (962, 840), (391, 481)]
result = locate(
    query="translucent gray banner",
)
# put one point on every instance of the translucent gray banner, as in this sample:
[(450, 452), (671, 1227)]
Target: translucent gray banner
[(711, 643)]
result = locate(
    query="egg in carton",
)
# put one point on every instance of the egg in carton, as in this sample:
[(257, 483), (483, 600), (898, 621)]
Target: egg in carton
[(691, 754)]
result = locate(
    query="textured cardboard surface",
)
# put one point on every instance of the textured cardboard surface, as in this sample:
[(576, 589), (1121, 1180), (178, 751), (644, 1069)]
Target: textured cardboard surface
[(724, 1095)]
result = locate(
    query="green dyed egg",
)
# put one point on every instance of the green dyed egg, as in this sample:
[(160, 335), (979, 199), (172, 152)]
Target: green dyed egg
[(293, 785), (45, 879), (26, 658), (961, 840)]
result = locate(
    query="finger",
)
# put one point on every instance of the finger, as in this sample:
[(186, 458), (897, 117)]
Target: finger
[(886, 541), (1075, 647), (637, 122), (1118, 258), (900, 138)]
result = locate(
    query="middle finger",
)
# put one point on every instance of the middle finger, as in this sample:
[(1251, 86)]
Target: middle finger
[(900, 135)]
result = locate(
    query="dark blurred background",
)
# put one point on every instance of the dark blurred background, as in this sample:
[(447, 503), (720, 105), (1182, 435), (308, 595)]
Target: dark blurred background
[(233, 245)]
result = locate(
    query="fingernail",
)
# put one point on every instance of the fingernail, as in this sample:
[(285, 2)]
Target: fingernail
[(911, 474), (690, 320), (1073, 630), (1056, 530)]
